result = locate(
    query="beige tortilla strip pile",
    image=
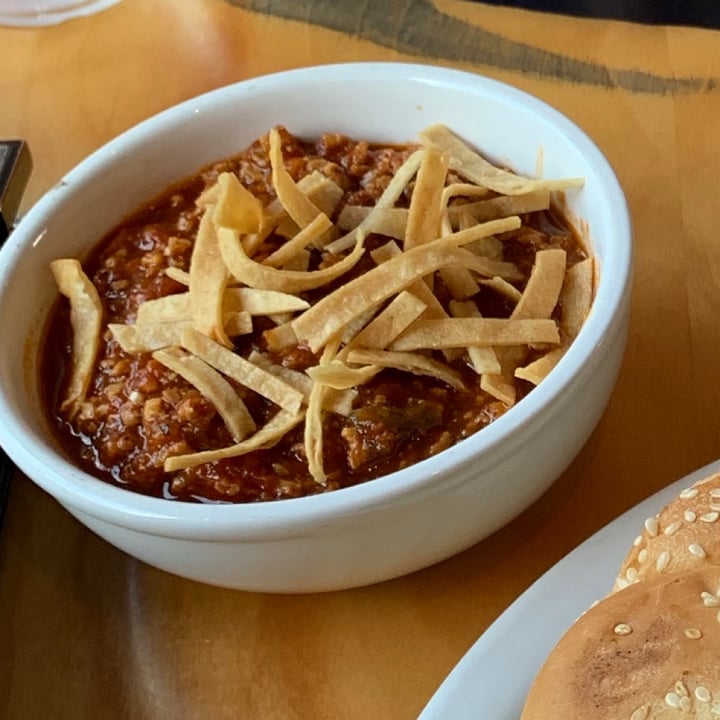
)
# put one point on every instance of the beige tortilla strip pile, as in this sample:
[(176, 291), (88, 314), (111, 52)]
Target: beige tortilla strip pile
[(388, 316)]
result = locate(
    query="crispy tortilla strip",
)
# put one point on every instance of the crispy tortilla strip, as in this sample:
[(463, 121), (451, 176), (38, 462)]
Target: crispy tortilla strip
[(480, 332), (178, 275), (246, 300), (255, 301), (536, 371), (387, 325), (268, 435), (148, 336), (237, 208), (237, 323), (470, 165), (168, 308), (329, 315), (313, 434), (483, 359), (280, 337), (242, 371), (211, 384), (576, 297), (499, 387), (409, 362), (543, 288), (503, 287), (268, 278), (392, 192), (309, 235), (208, 278), (489, 247), (86, 314), (390, 222), (336, 374), (297, 204), (503, 206), (483, 230), (423, 223)]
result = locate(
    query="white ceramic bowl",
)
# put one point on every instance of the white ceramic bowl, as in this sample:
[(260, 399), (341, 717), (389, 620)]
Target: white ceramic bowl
[(386, 527)]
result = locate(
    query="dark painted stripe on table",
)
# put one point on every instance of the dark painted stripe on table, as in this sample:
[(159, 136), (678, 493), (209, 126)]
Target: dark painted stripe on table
[(417, 27)]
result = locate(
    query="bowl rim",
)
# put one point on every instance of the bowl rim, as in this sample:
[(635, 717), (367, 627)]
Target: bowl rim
[(87, 494)]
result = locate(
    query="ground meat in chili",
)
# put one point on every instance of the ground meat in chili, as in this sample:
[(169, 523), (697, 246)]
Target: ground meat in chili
[(137, 412)]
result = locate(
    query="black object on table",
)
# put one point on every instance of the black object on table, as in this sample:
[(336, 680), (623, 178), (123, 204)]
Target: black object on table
[(15, 168), (699, 13)]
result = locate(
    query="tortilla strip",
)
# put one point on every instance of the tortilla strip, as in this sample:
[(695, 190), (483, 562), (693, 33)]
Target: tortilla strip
[(242, 371), (267, 436), (237, 208), (391, 222), (481, 332), (167, 308), (466, 162), (392, 192), (483, 359), (212, 386), (337, 375), (309, 235), (237, 323), (387, 325), (409, 362), (255, 301), (86, 313), (423, 224), (297, 204), (483, 230), (499, 387), (503, 287), (576, 297), (148, 336), (313, 434), (330, 314), (536, 371), (543, 287), (503, 206), (208, 278), (178, 275), (268, 278)]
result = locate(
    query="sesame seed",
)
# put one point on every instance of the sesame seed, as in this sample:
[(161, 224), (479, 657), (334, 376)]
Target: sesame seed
[(715, 506), (663, 560), (680, 689), (672, 700), (631, 574), (622, 629), (689, 493), (689, 516), (715, 709), (702, 694), (637, 541), (672, 528), (642, 556), (641, 713), (697, 550), (651, 525), (710, 600), (685, 704), (715, 493), (693, 634), (621, 583), (710, 517)]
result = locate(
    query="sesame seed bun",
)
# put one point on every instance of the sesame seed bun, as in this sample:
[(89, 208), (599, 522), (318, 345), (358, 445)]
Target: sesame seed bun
[(649, 652), (684, 535)]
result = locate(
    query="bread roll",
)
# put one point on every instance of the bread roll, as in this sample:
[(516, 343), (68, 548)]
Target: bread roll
[(650, 652), (684, 535)]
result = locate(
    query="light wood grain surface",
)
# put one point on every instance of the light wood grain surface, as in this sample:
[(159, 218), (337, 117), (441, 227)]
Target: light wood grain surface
[(87, 632)]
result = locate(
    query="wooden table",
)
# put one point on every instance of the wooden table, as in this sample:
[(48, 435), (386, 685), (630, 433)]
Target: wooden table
[(87, 632)]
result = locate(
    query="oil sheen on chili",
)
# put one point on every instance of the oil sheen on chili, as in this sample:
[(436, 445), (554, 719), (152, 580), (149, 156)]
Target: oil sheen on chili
[(137, 411)]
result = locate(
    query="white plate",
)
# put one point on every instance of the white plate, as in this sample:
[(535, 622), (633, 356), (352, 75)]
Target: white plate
[(492, 679)]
